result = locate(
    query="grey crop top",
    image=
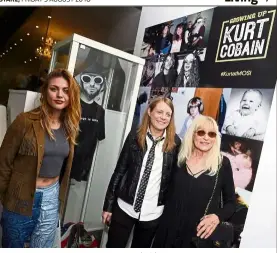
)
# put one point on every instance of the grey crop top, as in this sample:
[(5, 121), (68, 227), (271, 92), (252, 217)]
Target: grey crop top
[(55, 152)]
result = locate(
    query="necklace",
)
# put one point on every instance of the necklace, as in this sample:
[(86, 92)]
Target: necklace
[(194, 174)]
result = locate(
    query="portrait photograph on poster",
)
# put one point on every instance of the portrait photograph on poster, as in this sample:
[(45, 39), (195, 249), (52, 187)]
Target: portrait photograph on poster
[(191, 102), (188, 70), (165, 38), (166, 71), (92, 83), (247, 113), (102, 63), (183, 118), (198, 27), (178, 31), (241, 48), (244, 156)]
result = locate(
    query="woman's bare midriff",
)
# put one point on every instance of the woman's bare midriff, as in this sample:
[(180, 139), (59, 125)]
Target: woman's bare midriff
[(44, 182)]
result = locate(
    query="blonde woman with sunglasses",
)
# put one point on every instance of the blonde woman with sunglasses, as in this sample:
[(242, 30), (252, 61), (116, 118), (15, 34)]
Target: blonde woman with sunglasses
[(200, 168)]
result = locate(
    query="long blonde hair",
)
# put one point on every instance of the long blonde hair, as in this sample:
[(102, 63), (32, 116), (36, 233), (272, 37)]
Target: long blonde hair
[(214, 158), (71, 115), (169, 142)]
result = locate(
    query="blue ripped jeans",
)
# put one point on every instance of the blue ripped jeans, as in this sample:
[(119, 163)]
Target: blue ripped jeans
[(39, 230)]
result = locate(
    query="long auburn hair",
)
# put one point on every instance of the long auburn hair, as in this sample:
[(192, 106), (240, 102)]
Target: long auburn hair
[(175, 35), (71, 115), (169, 142)]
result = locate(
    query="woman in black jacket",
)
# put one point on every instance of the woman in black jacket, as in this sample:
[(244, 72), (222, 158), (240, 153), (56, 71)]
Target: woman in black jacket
[(202, 176), (138, 187)]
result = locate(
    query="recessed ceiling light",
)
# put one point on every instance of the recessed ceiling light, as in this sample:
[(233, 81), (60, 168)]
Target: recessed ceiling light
[(11, 48), (15, 44), (21, 39), (49, 17), (3, 53), (1, 56), (35, 57), (28, 34), (25, 62), (7, 51), (37, 26)]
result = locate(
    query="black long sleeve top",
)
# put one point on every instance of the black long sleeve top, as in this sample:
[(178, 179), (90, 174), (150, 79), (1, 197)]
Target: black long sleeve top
[(188, 199)]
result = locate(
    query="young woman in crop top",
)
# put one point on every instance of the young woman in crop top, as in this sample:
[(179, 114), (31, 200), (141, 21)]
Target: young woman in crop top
[(35, 163)]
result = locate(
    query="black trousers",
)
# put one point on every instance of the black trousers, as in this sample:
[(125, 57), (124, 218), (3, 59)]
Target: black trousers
[(121, 227)]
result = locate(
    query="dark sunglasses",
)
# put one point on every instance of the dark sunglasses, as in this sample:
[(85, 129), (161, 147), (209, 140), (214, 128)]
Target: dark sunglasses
[(201, 133)]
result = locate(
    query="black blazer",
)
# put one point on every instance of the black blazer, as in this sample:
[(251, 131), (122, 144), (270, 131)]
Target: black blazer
[(124, 180)]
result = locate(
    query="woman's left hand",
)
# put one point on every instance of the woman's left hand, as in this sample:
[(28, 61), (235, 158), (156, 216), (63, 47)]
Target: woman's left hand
[(207, 226)]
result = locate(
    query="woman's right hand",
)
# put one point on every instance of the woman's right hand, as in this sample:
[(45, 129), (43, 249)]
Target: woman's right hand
[(106, 217)]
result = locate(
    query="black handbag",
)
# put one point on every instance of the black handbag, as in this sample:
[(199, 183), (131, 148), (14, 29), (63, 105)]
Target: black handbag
[(222, 236)]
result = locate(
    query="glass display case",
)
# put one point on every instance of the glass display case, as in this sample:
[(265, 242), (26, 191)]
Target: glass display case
[(109, 83)]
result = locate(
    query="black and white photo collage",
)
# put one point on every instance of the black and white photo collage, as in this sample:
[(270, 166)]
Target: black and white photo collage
[(221, 63), (173, 51)]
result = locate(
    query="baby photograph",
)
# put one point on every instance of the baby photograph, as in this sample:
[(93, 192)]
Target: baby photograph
[(247, 113)]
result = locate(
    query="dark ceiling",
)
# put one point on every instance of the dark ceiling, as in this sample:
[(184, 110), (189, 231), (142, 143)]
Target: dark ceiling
[(18, 48), (11, 18)]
